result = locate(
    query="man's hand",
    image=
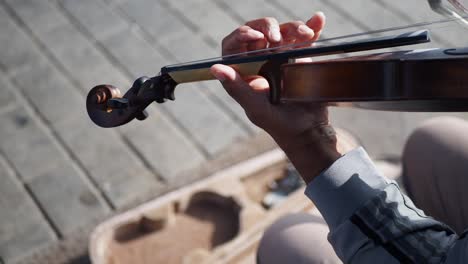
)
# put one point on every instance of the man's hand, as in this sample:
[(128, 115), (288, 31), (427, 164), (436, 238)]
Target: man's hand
[(301, 130), (285, 121), (266, 32)]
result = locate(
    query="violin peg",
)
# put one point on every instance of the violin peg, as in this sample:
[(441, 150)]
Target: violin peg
[(171, 96), (139, 82), (117, 103), (142, 115), (102, 93)]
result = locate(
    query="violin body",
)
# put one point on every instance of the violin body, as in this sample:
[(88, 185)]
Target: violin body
[(417, 80)]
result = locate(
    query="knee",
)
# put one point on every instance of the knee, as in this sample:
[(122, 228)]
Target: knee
[(296, 238), (435, 136), (435, 148)]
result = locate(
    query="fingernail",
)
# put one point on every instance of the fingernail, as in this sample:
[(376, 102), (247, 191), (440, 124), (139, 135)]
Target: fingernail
[(319, 13), (218, 75), (303, 29), (275, 34)]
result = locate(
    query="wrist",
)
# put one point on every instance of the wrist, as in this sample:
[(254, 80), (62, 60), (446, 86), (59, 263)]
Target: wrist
[(312, 151)]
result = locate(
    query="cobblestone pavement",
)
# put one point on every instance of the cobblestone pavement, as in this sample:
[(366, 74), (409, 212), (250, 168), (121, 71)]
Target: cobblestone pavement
[(60, 173)]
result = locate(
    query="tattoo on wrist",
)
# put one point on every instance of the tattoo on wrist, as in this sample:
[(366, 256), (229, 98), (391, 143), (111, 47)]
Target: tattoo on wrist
[(319, 135), (327, 132)]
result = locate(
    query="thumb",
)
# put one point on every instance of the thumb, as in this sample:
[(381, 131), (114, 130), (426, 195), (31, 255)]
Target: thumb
[(237, 87)]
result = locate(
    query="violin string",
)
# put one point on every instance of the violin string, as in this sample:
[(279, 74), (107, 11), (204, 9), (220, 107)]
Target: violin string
[(355, 35)]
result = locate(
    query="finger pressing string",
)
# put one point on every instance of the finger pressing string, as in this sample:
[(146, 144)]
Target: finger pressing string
[(296, 32), (317, 23), (269, 26), (295, 29), (238, 40)]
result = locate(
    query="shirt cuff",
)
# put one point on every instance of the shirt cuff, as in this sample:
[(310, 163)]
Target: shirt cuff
[(345, 186)]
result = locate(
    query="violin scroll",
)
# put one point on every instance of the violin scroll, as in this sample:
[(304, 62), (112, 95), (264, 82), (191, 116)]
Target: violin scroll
[(108, 108)]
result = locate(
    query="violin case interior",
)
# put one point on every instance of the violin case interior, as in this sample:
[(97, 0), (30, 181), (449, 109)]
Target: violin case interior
[(219, 219)]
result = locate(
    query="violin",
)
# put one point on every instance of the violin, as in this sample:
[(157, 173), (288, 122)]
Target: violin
[(415, 80)]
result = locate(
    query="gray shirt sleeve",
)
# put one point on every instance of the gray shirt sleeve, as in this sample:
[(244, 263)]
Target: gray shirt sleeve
[(371, 220)]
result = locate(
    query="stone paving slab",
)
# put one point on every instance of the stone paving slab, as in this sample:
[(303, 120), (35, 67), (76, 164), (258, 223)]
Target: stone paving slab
[(99, 20), (104, 165), (168, 30), (83, 140), (44, 17), (135, 55), (156, 19), (83, 61), (194, 110), (112, 164), (12, 42), (7, 98), (18, 127), (67, 198), (219, 94), (166, 148), (337, 24), (202, 14), (22, 225), (62, 167), (244, 11), (113, 167), (29, 148)]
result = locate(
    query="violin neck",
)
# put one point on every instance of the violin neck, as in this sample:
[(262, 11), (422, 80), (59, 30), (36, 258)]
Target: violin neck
[(204, 74), (251, 63)]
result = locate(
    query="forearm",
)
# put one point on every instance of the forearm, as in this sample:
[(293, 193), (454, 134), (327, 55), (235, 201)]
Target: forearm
[(370, 219), (312, 151)]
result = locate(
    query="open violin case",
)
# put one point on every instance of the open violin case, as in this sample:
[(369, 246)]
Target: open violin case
[(219, 219)]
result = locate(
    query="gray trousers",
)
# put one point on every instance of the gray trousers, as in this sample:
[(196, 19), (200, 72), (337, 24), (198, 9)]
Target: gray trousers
[(435, 175)]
